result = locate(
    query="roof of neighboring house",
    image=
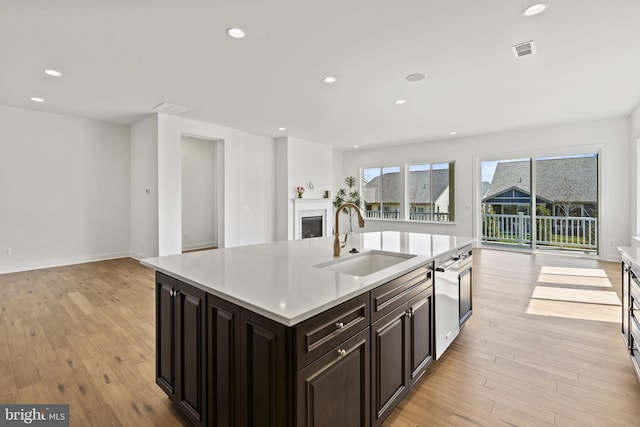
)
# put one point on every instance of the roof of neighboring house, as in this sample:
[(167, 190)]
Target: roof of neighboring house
[(419, 188), (557, 180), (485, 188)]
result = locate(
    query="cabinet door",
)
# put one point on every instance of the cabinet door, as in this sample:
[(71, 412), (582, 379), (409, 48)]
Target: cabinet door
[(334, 390), (165, 337), (266, 372), (389, 362), (626, 272), (190, 352), (223, 326), (421, 331)]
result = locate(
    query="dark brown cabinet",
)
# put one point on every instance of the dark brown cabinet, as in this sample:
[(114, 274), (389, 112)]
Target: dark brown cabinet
[(421, 332), (626, 295), (223, 380), (401, 349), (180, 353), (224, 365), (265, 372), (247, 367), (334, 390), (631, 309)]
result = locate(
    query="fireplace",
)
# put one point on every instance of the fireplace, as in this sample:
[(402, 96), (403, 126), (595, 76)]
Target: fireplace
[(312, 216), (311, 226)]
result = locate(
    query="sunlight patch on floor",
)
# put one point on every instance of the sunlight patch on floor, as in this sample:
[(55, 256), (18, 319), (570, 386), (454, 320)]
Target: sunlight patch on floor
[(574, 310), (560, 279), (575, 295), (572, 271)]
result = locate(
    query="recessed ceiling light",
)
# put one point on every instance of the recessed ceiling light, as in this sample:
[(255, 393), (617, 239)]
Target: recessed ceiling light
[(53, 73), (534, 9), (356, 146), (453, 133), (236, 33), (415, 77), (282, 128), (401, 101), (329, 79), (36, 99)]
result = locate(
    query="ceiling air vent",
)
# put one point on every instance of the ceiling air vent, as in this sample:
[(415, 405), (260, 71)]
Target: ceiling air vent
[(524, 49), (167, 108)]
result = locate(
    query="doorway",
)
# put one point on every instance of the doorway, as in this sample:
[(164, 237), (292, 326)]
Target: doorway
[(199, 195), (541, 203)]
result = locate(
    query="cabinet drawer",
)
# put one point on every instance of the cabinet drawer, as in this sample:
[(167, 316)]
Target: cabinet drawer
[(315, 336), (387, 297), (635, 357), (634, 288), (634, 326)]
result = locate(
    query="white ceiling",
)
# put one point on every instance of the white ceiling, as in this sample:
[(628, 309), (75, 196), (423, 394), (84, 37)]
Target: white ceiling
[(120, 58)]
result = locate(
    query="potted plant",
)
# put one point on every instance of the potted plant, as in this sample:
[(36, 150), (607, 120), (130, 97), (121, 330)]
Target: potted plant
[(350, 195)]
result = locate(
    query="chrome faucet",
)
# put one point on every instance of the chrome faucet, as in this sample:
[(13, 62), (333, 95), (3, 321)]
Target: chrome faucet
[(336, 241)]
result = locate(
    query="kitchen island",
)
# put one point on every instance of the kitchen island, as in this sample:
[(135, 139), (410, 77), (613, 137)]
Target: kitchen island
[(283, 334)]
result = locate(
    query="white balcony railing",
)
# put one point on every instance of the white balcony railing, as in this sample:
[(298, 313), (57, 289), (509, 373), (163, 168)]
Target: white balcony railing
[(413, 216), (553, 231)]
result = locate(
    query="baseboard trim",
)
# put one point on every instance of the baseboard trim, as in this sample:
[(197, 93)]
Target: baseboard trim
[(60, 262)]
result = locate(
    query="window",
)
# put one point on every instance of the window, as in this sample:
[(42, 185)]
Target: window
[(430, 189), (381, 192), (427, 196)]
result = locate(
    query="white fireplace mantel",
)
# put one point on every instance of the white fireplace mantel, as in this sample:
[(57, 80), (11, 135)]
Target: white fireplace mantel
[(312, 207)]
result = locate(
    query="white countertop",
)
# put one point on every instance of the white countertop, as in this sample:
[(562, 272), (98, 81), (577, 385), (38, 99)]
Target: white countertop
[(631, 254), (279, 281)]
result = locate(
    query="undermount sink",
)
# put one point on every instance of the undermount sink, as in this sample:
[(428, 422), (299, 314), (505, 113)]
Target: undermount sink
[(365, 263)]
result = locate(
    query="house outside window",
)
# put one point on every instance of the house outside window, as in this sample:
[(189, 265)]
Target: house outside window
[(428, 196), (430, 192), (381, 192)]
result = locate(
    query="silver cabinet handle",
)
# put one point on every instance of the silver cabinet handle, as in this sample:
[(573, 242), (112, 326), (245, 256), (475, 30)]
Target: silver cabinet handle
[(341, 353), (339, 325), (409, 314)]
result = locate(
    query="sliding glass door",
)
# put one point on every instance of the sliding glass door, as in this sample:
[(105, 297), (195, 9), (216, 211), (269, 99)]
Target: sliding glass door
[(506, 202), (546, 203)]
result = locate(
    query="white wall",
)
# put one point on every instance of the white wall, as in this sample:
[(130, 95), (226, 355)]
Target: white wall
[(144, 188), (64, 190), (298, 163), (634, 164), (199, 222), (281, 191), (245, 180), (610, 137)]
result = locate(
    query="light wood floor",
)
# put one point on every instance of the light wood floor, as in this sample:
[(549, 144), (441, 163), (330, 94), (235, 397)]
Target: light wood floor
[(542, 347)]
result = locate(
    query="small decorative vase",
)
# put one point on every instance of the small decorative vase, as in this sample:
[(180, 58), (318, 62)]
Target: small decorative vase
[(299, 195)]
